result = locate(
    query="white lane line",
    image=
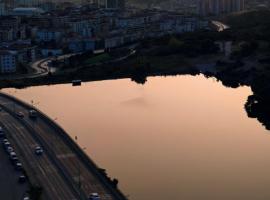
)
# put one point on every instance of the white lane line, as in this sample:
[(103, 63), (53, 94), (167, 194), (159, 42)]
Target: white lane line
[(67, 155)]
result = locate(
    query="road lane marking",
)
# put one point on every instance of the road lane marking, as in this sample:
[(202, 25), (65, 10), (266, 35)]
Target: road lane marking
[(67, 155)]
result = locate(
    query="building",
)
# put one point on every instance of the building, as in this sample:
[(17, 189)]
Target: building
[(7, 61), (3, 10), (217, 7), (6, 34), (27, 11), (115, 4), (48, 35)]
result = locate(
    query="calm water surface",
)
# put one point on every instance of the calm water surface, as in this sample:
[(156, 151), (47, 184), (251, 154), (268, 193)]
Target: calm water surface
[(173, 138)]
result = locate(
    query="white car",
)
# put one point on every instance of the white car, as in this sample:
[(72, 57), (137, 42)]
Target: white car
[(38, 150), (94, 196)]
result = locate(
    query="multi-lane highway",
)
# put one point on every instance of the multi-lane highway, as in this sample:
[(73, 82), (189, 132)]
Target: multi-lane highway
[(63, 171)]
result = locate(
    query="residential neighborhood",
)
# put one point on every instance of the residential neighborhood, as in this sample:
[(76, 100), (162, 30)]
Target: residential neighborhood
[(53, 29)]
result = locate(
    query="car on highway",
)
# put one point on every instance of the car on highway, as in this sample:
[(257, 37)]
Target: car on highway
[(6, 145), (20, 114), (33, 114), (2, 133), (22, 179), (38, 150), (9, 149), (18, 166), (94, 196), (12, 155), (14, 160)]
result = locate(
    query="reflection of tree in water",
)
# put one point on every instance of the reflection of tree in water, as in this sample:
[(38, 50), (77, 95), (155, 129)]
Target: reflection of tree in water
[(258, 104), (139, 74), (259, 109), (139, 79)]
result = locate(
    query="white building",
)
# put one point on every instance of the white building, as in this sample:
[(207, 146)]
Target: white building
[(7, 61)]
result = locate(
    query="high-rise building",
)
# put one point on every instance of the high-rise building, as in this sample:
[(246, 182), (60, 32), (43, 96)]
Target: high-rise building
[(217, 7), (3, 10), (115, 4)]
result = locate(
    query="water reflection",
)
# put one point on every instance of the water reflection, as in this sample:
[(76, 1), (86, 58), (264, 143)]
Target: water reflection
[(172, 138)]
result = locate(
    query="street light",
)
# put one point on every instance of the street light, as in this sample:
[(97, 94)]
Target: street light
[(34, 120), (79, 170), (14, 104)]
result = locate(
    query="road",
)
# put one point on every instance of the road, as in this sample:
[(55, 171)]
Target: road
[(220, 26), (64, 170), (10, 189)]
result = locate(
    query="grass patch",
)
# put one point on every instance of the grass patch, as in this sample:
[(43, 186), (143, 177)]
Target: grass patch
[(98, 58)]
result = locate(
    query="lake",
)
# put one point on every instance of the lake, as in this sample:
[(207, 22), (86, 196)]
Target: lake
[(173, 138)]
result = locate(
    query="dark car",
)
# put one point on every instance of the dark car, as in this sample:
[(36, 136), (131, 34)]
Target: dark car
[(22, 179), (20, 114), (9, 149), (14, 160), (2, 133), (18, 166), (33, 114)]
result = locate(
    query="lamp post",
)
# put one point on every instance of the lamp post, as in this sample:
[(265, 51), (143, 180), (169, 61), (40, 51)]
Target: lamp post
[(79, 172), (34, 120), (14, 104)]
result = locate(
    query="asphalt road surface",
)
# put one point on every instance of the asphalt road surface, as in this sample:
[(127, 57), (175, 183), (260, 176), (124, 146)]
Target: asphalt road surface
[(10, 189)]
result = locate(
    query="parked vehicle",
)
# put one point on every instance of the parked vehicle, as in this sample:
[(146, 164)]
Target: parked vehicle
[(9, 149), (12, 155), (18, 166), (14, 160), (4, 140), (2, 133), (6, 145), (22, 179)]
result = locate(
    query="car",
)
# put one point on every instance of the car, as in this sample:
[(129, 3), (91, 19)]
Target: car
[(26, 198), (12, 155), (20, 114), (22, 179), (6, 145), (9, 149), (4, 140), (18, 166), (38, 150), (2, 133), (33, 114), (94, 196), (14, 160)]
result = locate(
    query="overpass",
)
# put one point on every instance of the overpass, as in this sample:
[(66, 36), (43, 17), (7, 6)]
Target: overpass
[(64, 171)]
